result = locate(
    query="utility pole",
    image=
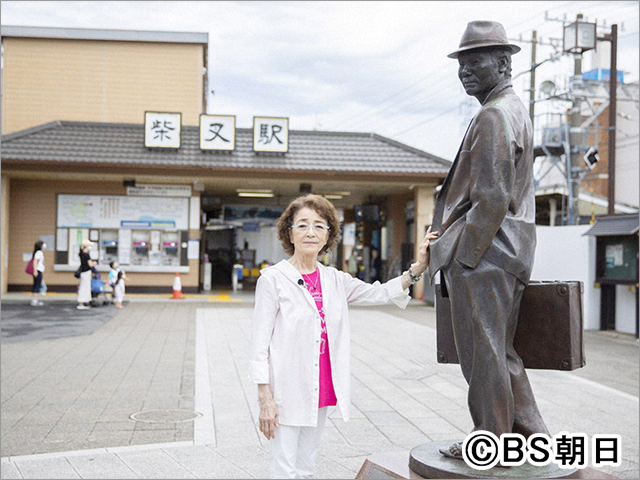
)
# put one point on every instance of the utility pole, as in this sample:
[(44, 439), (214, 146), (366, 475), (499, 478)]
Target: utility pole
[(575, 138), (532, 86), (613, 101), (535, 41)]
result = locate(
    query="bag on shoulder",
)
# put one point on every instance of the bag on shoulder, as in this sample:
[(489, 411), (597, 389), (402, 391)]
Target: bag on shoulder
[(77, 273), (29, 268)]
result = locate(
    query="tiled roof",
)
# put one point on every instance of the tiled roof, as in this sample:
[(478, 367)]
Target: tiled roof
[(611, 225), (116, 143)]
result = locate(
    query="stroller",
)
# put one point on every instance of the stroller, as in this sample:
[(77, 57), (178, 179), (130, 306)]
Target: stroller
[(98, 294)]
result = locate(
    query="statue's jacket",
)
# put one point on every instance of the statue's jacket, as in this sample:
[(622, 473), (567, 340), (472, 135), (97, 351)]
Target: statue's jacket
[(486, 206)]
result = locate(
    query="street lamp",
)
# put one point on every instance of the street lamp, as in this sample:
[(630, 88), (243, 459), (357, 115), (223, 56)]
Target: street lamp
[(579, 36)]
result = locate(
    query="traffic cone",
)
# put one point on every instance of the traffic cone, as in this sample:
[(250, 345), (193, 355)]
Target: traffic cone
[(177, 287)]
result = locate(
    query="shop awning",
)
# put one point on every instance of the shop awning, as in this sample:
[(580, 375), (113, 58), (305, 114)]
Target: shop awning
[(610, 225)]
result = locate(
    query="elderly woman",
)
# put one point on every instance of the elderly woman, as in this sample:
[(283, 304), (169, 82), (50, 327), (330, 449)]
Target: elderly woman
[(300, 345)]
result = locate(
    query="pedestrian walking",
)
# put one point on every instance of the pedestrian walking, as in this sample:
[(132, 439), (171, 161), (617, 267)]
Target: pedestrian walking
[(86, 264), (38, 273), (118, 288), (300, 342), (376, 266)]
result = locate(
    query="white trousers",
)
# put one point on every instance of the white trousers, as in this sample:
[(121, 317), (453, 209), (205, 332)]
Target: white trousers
[(84, 291), (294, 449)]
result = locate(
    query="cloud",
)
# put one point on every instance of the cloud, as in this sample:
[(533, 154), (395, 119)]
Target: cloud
[(366, 66)]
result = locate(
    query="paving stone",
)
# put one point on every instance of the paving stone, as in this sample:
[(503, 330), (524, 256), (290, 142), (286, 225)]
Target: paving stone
[(128, 426), (9, 470), (155, 436), (399, 402), (386, 418), (202, 462), (63, 445), (433, 425), (153, 464), (108, 438), (100, 466), (328, 468), (46, 468), (353, 464)]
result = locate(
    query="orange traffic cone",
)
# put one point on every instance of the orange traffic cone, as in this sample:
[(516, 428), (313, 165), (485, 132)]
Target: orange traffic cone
[(177, 287)]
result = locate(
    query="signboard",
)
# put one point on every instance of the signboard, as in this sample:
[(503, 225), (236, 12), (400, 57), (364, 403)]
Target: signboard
[(252, 213), (62, 240), (251, 227), (271, 134), (349, 234), (119, 211), (591, 158), (162, 129), (193, 249), (48, 240), (160, 190), (217, 132), (617, 259)]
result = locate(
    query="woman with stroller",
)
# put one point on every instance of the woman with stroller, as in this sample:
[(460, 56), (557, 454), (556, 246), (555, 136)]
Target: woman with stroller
[(86, 264)]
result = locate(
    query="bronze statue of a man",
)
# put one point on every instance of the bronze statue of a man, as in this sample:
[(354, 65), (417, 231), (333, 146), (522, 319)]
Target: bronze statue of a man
[(485, 213)]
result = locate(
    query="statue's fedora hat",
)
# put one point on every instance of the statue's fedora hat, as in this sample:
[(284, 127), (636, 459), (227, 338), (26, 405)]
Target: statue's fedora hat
[(481, 34)]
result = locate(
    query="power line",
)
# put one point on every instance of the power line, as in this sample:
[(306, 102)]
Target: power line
[(430, 91), (439, 93), (425, 121), (386, 124), (386, 99), (376, 109)]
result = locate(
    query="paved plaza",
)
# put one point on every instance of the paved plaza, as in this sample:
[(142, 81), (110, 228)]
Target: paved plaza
[(161, 390)]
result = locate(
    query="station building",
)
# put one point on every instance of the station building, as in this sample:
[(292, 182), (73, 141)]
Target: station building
[(77, 163)]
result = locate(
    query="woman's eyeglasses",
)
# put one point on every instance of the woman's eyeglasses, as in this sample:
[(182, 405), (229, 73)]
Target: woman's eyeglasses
[(304, 227)]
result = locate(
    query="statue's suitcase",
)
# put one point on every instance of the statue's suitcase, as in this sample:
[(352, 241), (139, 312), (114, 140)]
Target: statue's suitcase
[(550, 323)]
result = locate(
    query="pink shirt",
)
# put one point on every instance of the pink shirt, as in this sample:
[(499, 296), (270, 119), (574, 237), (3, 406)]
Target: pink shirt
[(327, 393)]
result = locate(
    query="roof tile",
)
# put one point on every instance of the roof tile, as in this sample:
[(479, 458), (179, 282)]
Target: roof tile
[(113, 143)]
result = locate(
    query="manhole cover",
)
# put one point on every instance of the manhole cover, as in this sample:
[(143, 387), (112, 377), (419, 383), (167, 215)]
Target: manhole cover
[(165, 416)]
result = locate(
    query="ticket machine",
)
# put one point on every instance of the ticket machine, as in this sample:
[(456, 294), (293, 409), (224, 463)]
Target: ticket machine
[(171, 248), (140, 244), (108, 246)]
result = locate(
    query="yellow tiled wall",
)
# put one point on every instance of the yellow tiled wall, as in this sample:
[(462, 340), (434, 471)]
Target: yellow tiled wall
[(98, 81)]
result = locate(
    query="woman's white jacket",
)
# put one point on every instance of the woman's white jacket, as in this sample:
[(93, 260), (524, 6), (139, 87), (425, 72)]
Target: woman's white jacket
[(285, 347)]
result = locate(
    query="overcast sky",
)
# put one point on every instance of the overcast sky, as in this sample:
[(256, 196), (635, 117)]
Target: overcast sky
[(350, 66)]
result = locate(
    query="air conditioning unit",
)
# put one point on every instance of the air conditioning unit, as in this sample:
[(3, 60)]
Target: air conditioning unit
[(553, 139)]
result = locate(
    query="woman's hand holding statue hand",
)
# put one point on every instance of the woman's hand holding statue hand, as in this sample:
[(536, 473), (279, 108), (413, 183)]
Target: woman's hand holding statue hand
[(422, 262), (268, 412)]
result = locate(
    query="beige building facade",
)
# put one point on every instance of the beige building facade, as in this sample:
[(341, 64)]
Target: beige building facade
[(100, 75), (79, 143)]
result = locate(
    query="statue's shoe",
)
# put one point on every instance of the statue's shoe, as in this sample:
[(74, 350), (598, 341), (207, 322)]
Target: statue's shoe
[(454, 451)]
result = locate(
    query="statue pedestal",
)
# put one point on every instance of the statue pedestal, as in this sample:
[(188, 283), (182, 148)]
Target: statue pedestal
[(427, 462)]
